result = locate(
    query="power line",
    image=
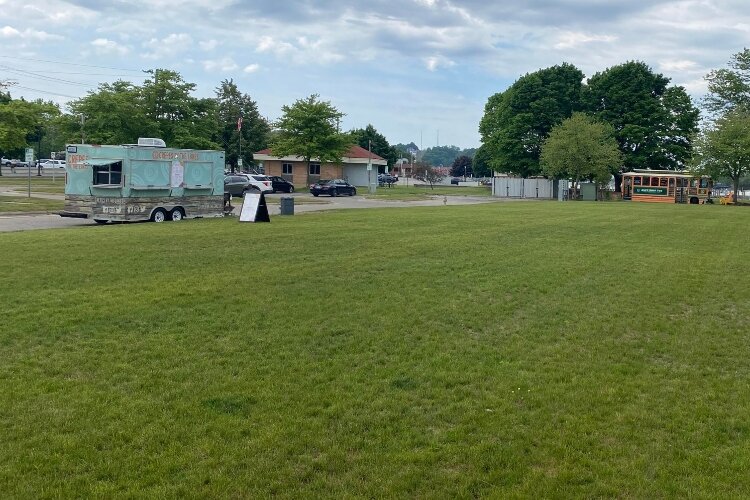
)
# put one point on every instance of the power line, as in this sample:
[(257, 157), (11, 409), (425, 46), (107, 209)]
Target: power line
[(86, 74), (139, 71), (44, 77), (46, 92)]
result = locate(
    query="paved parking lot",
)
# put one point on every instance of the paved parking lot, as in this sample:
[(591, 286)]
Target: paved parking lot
[(15, 222)]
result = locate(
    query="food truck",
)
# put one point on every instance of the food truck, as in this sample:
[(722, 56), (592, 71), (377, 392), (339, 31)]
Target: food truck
[(144, 181)]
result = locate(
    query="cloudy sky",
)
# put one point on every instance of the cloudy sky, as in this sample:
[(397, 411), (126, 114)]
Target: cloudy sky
[(418, 70)]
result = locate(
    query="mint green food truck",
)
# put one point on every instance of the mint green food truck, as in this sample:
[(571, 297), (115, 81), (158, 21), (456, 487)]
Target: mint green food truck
[(144, 181)]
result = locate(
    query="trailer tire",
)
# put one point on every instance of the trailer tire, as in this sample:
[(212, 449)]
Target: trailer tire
[(159, 215), (101, 221), (177, 214)]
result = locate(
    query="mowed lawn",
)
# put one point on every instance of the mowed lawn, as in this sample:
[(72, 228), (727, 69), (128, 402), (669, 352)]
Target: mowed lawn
[(510, 349)]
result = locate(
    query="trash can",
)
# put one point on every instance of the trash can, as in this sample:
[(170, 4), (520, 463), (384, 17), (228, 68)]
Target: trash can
[(287, 205)]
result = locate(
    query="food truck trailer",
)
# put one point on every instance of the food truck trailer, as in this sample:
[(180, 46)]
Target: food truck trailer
[(144, 181)]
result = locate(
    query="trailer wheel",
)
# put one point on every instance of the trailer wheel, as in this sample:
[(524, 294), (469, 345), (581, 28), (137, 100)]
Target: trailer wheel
[(159, 215), (101, 221), (177, 214)]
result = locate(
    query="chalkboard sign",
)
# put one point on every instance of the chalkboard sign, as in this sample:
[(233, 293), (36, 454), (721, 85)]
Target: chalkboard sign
[(254, 208)]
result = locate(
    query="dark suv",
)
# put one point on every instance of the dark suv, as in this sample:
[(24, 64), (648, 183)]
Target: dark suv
[(238, 185)]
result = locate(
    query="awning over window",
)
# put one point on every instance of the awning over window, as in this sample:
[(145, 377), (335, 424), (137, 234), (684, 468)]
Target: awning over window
[(101, 162)]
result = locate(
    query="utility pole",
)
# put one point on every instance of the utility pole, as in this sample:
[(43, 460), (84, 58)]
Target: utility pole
[(83, 135), (239, 131), (370, 182)]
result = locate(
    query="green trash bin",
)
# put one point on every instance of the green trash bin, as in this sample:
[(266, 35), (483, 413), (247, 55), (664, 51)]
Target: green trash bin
[(287, 205)]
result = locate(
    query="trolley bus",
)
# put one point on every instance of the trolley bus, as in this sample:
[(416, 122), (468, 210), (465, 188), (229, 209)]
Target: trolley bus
[(666, 186)]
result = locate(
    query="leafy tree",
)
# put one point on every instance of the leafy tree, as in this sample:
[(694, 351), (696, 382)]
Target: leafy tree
[(425, 172), (581, 148), (441, 155), (121, 112), (462, 167), (729, 89), (114, 114), (182, 120), (368, 136), (724, 149), (255, 129), (516, 122), (309, 129), (480, 163), (23, 122), (654, 123)]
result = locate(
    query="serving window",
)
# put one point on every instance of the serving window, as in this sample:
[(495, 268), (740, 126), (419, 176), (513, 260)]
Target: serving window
[(108, 174)]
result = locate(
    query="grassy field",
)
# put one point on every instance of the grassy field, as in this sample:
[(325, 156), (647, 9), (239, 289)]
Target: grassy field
[(520, 349), (24, 204), (38, 184), (402, 192)]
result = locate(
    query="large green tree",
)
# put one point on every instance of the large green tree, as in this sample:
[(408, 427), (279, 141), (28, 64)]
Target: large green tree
[(233, 104), (654, 123), (441, 156), (517, 121), (113, 114), (378, 144), (462, 167), (309, 129), (581, 148), (121, 112), (724, 148), (23, 123), (729, 88), (183, 121), (480, 163)]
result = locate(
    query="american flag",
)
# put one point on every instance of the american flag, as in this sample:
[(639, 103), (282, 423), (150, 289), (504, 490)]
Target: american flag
[(239, 123)]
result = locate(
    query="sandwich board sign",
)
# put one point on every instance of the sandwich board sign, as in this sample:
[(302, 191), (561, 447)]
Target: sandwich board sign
[(254, 208)]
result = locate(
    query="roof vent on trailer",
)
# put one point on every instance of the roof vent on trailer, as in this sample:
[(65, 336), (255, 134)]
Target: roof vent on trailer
[(151, 142)]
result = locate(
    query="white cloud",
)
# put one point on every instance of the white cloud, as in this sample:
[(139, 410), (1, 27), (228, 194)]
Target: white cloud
[(223, 64), (302, 50), (251, 68), (27, 34), (208, 45), (169, 46), (571, 39), (104, 46), (433, 63), (682, 65)]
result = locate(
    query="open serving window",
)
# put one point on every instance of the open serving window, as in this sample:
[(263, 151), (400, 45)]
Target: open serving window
[(107, 173)]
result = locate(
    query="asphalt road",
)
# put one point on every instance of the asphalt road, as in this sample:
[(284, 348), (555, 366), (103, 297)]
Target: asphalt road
[(13, 222)]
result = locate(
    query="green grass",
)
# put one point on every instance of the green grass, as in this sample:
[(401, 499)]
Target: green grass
[(38, 184), (504, 350), (401, 192), (24, 204)]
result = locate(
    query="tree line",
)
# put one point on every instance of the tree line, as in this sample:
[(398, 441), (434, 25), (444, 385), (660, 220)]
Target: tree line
[(553, 123)]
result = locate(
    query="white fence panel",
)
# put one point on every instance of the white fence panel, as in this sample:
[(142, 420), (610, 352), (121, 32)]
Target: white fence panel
[(517, 187)]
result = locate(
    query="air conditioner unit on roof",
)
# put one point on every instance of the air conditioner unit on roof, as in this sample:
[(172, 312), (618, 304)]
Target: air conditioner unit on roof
[(151, 142)]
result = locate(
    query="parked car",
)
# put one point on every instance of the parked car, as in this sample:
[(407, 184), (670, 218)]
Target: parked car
[(18, 163), (455, 180), (238, 185), (5, 162), (261, 182), (333, 187), (281, 184), (52, 163), (387, 179)]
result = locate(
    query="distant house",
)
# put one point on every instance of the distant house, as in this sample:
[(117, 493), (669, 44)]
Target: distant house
[(353, 167)]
